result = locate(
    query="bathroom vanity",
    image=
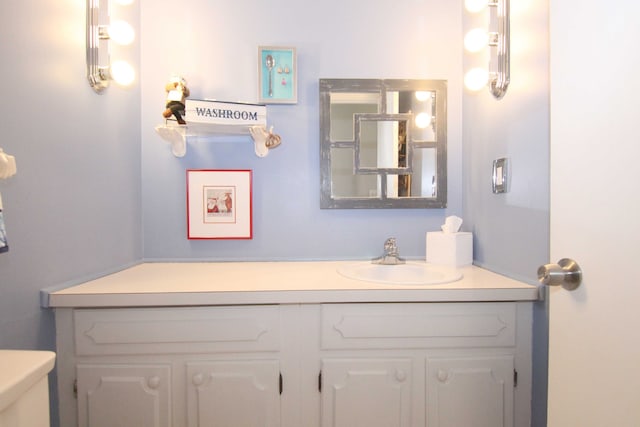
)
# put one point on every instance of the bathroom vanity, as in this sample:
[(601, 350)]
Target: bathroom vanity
[(292, 344)]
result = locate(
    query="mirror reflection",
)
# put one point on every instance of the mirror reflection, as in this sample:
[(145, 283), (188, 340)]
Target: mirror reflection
[(383, 143)]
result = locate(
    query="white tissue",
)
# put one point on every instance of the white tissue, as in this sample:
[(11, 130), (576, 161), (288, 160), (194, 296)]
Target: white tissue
[(451, 224)]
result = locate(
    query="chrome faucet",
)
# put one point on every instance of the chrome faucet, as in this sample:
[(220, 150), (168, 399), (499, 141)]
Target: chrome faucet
[(391, 255)]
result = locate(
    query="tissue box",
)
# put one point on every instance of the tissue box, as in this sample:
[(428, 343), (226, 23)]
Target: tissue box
[(451, 249)]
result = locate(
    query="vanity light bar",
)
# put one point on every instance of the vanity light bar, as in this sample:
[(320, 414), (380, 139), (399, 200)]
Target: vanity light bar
[(500, 76), (97, 45), (100, 33)]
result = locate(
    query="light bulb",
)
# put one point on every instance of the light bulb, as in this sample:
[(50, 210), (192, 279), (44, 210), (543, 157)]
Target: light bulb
[(422, 95), (476, 40), (475, 6), (121, 32), (476, 79), (122, 73), (423, 120)]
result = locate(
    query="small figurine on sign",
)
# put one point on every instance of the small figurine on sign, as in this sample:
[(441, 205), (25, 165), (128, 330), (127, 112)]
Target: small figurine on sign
[(177, 91)]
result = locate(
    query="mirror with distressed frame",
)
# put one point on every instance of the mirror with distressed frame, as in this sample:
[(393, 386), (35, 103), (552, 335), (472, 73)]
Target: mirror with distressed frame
[(383, 143)]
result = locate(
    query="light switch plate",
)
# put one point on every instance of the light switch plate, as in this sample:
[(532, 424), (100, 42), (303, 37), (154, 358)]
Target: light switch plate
[(500, 176)]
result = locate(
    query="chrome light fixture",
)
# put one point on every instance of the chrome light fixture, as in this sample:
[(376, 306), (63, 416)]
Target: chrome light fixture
[(497, 39), (499, 64), (100, 31)]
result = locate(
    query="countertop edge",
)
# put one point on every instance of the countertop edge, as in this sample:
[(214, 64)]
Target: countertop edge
[(291, 297), (478, 285)]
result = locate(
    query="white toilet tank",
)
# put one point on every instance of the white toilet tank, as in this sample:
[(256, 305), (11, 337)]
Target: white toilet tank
[(24, 388)]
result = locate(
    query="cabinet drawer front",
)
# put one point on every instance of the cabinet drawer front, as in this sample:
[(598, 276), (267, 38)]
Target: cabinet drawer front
[(418, 325), (177, 330)]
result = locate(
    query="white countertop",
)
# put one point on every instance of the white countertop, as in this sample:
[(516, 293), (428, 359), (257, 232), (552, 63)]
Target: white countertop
[(294, 282)]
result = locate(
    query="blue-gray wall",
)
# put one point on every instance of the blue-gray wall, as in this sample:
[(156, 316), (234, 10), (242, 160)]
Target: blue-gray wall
[(98, 190), (214, 45), (73, 209), (511, 230)]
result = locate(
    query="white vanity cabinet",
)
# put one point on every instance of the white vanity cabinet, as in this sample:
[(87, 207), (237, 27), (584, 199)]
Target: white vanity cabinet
[(470, 391), (369, 392), (401, 364), (195, 366), (233, 393), (458, 391), (218, 393), (425, 364), (106, 393)]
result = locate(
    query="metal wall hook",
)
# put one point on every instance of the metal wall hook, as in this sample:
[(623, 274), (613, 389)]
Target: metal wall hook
[(566, 273)]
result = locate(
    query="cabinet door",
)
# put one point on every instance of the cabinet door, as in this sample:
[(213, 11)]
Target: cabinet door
[(124, 395), (366, 392), (470, 391), (233, 393)]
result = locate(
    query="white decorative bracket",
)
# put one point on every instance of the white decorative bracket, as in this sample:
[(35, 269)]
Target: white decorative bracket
[(7, 165), (178, 135)]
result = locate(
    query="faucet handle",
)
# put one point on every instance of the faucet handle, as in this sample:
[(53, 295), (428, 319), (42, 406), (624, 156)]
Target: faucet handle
[(390, 246), (390, 255)]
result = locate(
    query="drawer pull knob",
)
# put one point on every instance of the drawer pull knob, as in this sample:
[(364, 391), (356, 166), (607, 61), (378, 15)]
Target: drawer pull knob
[(153, 382), (197, 379), (401, 375), (442, 375)]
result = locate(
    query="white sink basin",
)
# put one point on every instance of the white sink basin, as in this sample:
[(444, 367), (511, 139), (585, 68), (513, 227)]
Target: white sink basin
[(402, 274)]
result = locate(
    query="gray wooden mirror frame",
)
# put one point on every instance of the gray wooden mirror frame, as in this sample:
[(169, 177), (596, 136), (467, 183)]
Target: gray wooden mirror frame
[(388, 193)]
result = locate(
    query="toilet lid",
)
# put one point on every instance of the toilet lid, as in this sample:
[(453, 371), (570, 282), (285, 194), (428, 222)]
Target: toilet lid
[(20, 370)]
